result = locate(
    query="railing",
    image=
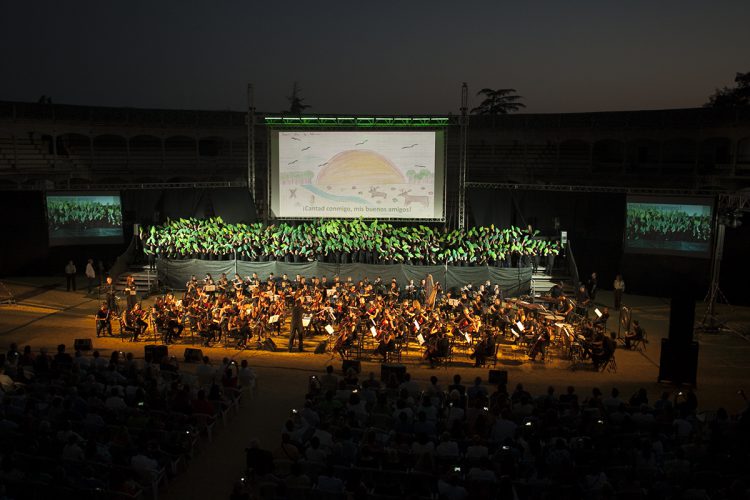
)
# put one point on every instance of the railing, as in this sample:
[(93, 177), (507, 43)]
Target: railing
[(572, 267), (124, 260)]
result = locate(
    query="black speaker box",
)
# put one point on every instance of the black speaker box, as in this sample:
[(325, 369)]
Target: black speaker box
[(678, 362), (268, 345), (498, 377), (82, 345), (351, 363), (193, 355), (157, 352), (681, 318), (398, 370)]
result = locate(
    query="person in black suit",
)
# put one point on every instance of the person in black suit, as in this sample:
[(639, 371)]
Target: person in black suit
[(298, 310)]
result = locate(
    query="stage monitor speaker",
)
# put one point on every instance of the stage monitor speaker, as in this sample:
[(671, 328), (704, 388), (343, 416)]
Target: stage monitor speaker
[(82, 345), (498, 377), (156, 352), (678, 362), (681, 318), (398, 370), (268, 345), (351, 363), (193, 355), (321, 347)]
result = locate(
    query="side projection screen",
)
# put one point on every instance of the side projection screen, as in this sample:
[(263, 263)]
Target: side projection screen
[(84, 219), (669, 226), (362, 173)]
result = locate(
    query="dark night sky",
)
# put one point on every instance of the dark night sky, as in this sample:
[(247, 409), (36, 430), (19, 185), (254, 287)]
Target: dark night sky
[(376, 57)]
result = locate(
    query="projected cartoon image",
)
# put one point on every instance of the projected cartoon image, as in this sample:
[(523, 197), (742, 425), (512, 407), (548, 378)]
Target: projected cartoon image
[(357, 174)]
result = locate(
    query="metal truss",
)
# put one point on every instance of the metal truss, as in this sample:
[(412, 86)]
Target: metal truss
[(599, 189), (145, 185)]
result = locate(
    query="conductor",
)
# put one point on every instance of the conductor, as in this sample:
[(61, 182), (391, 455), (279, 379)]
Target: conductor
[(296, 330)]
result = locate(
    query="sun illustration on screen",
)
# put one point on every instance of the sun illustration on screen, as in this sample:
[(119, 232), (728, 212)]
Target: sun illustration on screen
[(364, 165)]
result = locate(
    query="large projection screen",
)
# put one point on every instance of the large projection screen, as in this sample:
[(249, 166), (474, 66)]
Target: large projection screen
[(359, 173), (84, 218), (669, 226)]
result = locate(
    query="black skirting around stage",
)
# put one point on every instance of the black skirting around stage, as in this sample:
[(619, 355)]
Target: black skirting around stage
[(513, 281)]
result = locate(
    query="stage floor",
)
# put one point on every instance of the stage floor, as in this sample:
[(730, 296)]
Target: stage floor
[(46, 315)]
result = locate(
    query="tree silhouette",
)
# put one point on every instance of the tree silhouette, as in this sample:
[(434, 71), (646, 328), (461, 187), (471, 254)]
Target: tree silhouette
[(732, 97), (296, 104), (498, 102)]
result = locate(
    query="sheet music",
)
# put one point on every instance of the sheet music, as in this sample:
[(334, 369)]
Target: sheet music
[(373, 331), (273, 319), (416, 325), (329, 329), (520, 326), (306, 321), (420, 338)]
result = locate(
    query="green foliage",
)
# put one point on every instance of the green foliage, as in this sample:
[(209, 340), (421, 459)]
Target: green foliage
[(738, 96), (498, 102), (671, 225), (88, 214), (312, 240)]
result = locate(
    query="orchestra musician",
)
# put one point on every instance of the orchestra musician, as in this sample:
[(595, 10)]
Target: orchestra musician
[(483, 349), (346, 335), (174, 325), (437, 346), (137, 321), (102, 320), (130, 291), (582, 301), (636, 334), (539, 347)]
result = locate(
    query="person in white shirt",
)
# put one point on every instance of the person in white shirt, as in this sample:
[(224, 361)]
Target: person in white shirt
[(70, 275), (619, 288), (247, 376), (90, 274)]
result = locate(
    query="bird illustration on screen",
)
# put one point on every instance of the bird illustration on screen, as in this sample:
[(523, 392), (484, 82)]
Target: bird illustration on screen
[(360, 143), (292, 162), (296, 139), (421, 166), (409, 147), (305, 149)]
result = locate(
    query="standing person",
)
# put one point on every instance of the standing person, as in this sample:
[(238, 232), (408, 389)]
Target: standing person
[(108, 291), (70, 275), (592, 286), (131, 292), (90, 274), (619, 287), (296, 329)]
